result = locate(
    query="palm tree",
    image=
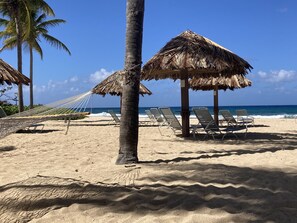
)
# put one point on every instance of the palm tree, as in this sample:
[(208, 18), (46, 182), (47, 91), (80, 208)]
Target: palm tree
[(39, 29), (18, 11), (130, 96)]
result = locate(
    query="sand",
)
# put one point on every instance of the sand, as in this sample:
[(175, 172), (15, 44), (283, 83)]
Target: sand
[(51, 177)]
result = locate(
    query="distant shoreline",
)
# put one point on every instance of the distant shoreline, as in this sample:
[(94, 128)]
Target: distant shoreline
[(257, 111)]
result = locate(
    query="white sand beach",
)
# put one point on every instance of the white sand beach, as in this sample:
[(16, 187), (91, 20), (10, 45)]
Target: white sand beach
[(51, 177)]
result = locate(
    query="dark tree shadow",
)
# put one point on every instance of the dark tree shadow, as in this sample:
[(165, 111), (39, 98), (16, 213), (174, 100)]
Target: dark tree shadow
[(7, 148), (39, 131), (91, 124)]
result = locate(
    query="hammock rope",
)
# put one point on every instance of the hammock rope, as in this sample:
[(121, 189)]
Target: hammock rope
[(67, 109)]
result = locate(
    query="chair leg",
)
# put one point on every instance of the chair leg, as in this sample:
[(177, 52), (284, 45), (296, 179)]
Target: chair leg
[(159, 128), (68, 124)]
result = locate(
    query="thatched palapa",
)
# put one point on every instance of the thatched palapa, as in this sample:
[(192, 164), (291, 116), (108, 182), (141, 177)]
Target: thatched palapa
[(113, 85), (196, 54), (9, 75), (221, 82), (190, 55)]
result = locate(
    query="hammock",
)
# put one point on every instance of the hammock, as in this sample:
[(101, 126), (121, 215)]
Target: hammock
[(67, 109)]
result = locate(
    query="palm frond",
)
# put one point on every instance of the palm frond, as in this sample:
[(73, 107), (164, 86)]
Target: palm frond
[(41, 6), (51, 23), (38, 19), (36, 46), (56, 43), (9, 43), (4, 22)]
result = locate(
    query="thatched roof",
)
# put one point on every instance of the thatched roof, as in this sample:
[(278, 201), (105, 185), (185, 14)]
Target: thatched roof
[(223, 82), (196, 54), (114, 85), (10, 75)]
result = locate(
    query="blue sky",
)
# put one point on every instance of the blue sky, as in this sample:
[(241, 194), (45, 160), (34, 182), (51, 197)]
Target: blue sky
[(263, 32)]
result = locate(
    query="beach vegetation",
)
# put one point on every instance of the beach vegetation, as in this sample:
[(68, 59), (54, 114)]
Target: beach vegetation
[(18, 15), (39, 29)]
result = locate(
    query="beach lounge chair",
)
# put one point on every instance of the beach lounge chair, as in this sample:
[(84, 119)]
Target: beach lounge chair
[(30, 127), (242, 116), (231, 121), (115, 118), (158, 117), (173, 122), (171, 119), (151, 117), (211, 128)]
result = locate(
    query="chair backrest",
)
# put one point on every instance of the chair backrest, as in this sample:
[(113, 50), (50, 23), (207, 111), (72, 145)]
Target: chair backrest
[(2, 113), (114, 116), (205, 119), (171, 118), (156, 113), (228, 116), (150, 115), (241, 112)]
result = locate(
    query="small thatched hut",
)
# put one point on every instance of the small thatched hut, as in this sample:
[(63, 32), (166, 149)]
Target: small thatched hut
[(9, 75), (113, 85), (190, 55), (219, 83)]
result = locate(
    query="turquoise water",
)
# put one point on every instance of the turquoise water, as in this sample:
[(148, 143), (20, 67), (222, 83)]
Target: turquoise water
[(272, 111)]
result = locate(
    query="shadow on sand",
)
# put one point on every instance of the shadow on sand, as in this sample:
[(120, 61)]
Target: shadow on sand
[(246, 194), (249, 195), (7, 148)]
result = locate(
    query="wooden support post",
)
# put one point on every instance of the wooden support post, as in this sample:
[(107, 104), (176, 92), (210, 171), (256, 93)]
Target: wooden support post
[(121, 104), (216, 104), (184, 84)]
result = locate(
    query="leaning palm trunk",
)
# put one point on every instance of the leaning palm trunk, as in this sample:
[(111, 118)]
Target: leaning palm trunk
[(31, 78), (130, 96)]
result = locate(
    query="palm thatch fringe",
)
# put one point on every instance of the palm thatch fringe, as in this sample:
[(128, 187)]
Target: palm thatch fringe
[(196, 54), (113, 85), (222, 82), (9, 75)]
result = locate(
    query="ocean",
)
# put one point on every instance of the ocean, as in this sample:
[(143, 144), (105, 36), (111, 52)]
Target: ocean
[(259, 111)]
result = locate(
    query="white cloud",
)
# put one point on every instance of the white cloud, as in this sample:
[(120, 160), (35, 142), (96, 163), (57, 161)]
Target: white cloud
[(74, 89), (280, 89), (283, 10), (73, 84), (73, 79), (48, 91), (99, 76), (42, 88), (262, 74), (26, 88), (278, 76)]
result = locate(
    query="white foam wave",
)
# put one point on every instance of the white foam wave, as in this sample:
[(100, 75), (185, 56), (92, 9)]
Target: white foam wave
[(102, 114), (106, 114)]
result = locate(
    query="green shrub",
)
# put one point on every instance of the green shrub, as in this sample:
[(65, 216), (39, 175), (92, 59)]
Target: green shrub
[(13, 109), (10, 109)]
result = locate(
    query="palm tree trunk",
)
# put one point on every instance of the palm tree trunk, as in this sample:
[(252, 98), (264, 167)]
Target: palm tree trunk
[(31, 78), (130, 96), (20, 62)]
